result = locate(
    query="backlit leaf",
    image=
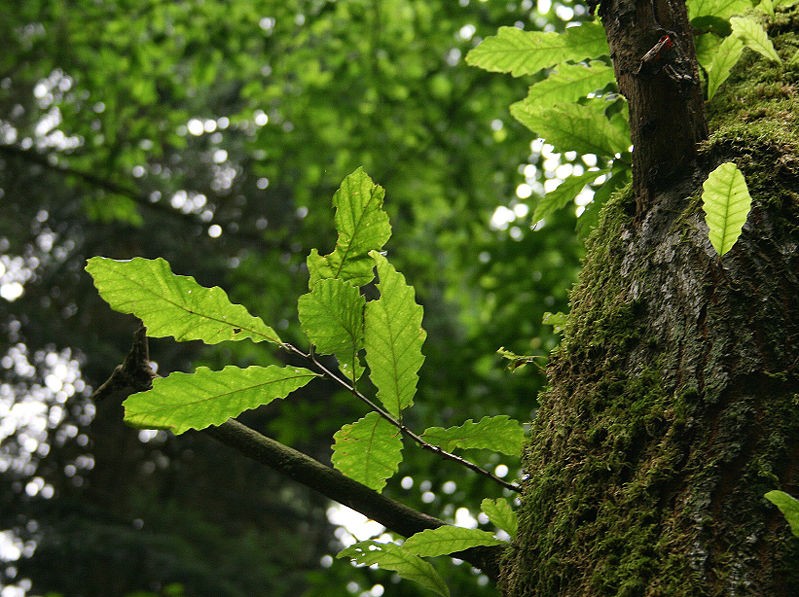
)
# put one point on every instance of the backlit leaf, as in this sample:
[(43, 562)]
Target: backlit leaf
[(172, 305), (575, 127), (448, 539), (564, 194), (727, 56), (368, 450), (520, 52), (331, 316), (789, 506), (501, 514), (393, 339), (499, 433), (726, 203), (362, 226), (754, 37), (717, 8), (570, 83), (183, 401), (389, 556)]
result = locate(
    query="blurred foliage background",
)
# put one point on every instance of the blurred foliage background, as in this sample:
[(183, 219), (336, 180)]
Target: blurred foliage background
[(214, 134)]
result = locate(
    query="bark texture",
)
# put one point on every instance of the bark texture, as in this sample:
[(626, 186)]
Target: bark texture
[(674, 397)]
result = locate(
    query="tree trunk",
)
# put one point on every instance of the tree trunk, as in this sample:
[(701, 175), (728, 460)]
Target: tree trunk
[(674, 397)]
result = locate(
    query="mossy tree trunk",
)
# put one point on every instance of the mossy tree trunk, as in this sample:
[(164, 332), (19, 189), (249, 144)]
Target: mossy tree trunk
[(674, 397)]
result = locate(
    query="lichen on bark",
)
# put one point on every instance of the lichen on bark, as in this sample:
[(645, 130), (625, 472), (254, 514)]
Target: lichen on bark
[(673, 403)]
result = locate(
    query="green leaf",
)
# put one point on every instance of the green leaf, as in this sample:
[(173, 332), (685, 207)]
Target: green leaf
[(726, 203), (501, 515), (754, 37), (362, 226), (520, 52), (368, 450), (575, 127), (389, 556), (499, 433), (393, 339), (183, 401), (564, 194), (331, 316), (727, 56), (789, 506), (448, 539), (172, 305), (620, 175), (558, 321), (570, 83), (717, 8)]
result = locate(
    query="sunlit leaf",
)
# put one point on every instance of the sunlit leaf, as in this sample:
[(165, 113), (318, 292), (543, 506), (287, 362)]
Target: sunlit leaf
[(564, 194), (389, 556), (727, 56), (183, 401), (393, 339), (520, 52), (575, 127), (368, 450), (172, 305), (331, 316), (726, 203), (570, 83), (501, 514), (789, 506), (717, 8), (754, 37), (499, 433), (448, 539), (558, 321), (362, 226)]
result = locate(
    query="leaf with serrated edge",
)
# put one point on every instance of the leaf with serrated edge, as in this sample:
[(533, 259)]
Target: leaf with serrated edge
[(788, 505), (501, 514), (389, 556), (448, 539), (368, 451), (726, 202), (570, 83), (575, 127), (520, 52), (727, 56), (754, 37), (499, 433), (362, 226), (183, 401), (393, 337), (172, 305), (331, 315), (564, 194)]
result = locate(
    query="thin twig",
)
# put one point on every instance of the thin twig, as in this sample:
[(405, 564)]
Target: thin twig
[(398, 424)]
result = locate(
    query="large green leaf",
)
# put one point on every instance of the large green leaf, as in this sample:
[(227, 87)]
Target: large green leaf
[(564, 194), (725, 57), (788, 505), (362, 226), (389, 556), (331, 316), (183, 401), (172, 305), (575, 127), (368, 450), (726, 203), (570, 83), (717, 8), (754, 37), (501, 514), (520, 52), (499, 433), (448, 539), (393, 337)]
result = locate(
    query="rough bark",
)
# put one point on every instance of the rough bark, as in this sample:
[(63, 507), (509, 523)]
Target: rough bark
[(674, 397)]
